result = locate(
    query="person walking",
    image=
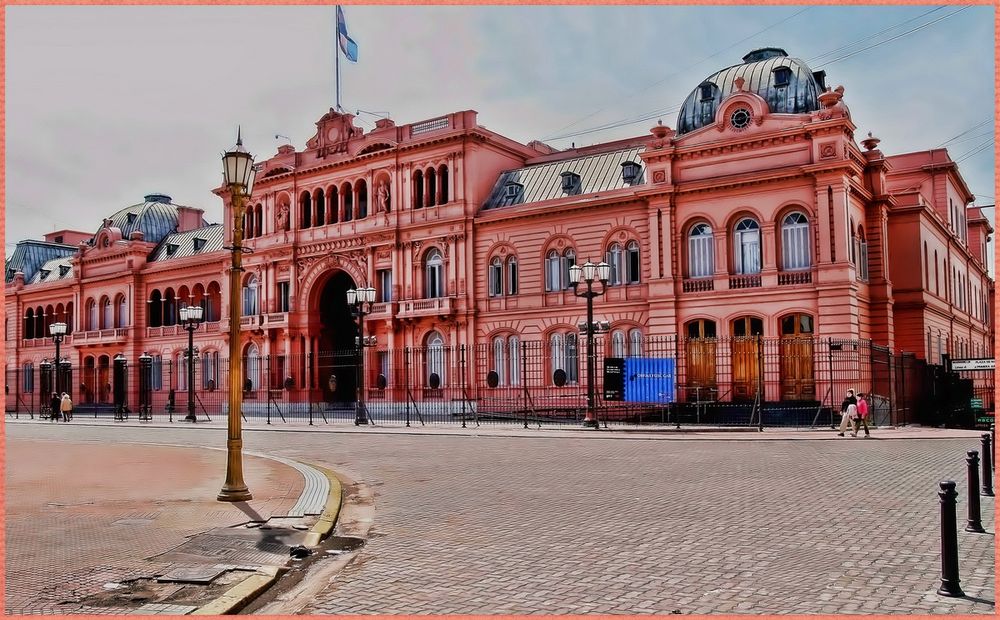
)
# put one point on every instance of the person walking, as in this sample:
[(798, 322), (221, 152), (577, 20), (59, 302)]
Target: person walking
[(862, 417), (54, 407), (848, 411), (66, 406)]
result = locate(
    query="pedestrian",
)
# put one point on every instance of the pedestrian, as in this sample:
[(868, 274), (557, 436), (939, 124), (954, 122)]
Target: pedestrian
[(66, 406), (54, 407), (848, 411), (862, 417)]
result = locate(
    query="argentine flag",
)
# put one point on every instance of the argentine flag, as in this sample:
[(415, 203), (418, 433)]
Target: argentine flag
[(347, 44)]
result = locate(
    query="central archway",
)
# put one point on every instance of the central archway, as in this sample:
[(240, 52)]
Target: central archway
[(337, 333)]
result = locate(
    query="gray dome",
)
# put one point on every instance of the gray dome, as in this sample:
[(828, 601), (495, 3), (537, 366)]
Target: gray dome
[(787, 84), (156, 217)]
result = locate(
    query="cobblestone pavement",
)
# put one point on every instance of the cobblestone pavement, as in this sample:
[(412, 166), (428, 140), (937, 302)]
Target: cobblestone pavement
[(488, 524), (81, 514)]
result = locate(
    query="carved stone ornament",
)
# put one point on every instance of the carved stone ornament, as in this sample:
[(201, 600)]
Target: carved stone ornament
[(622, 235), (659, 176), (827, 151)]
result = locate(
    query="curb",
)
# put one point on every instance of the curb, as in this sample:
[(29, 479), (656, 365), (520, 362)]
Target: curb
[(253, 586), (324, 525)]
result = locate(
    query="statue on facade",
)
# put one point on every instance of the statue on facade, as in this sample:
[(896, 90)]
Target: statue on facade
[(282, 217), (382, 197)]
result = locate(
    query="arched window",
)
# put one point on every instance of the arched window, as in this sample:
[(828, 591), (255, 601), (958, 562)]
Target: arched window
[(795, 242), (746, 247), (512, 275), (155, 305), (614, 258), (251, 292), (320, 206), (431, 187), (495, 277), (40, 322), (418, 189), (635, 342), (797, 324), (259, 214), (632, 264), (937, 276), (514, 351), (251, 369), (853, 243), (862, 255), (553, 281), (29, 323), (435, 358), (701, 252), (181, 363), (568, 260), (107, 314), (169, 308), (443, 180), (210, 370), (434, 274), (500, 359), (565, 355), (333, 206), (362, 188), (122, 312), (348, 193), (248, 224), (305, 203), (618, 343), (557, 351)]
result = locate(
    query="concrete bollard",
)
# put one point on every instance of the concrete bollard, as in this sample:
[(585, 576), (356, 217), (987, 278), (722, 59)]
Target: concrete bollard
[(975, 519), (949, 541), (987, 467)]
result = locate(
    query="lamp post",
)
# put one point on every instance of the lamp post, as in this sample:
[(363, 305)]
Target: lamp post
[(58, 332), (238, 172), (190, 319), (145, 385), (361, 300), (589, 272)]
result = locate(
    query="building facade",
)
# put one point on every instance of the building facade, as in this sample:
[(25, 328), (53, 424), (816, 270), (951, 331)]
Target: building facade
[(759, 216)]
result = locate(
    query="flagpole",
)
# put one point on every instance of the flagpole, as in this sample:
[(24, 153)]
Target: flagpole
[(336, 50)]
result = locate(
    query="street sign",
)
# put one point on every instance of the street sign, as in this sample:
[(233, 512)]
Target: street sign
[(982, 363)]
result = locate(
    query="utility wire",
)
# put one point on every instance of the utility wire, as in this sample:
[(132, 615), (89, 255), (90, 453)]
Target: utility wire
[(975, 151), (871, 36), (973, 128)]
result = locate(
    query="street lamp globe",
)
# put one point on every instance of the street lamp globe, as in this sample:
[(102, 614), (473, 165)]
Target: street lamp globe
[(194, 313), (183, 314), (57, 329), (603, 272), (369, 295), (352, 296), (237, 167), (589, 269), (574, 274)]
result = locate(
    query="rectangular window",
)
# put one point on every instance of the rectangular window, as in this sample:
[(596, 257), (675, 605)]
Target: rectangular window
[(632, 277), (157, 372), (512, 278), (283, 305), (28, 378), (496, 278), (863, 261), (384, 285), (552, 276)]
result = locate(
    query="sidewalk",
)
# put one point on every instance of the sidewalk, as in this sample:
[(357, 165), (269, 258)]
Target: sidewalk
[(136, 529), (565, 431)]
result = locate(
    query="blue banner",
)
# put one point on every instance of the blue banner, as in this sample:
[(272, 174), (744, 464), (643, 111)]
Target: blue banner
[(649, 380)]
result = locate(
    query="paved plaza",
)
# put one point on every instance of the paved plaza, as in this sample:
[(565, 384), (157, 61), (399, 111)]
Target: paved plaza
[(490, 523)]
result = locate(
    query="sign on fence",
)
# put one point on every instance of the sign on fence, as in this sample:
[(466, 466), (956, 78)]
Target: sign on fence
[(982, 363), (649, 380), (614, 378)]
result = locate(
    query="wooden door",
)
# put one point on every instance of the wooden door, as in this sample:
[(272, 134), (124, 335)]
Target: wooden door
[(746, 344), (797, 379), (700, 360)]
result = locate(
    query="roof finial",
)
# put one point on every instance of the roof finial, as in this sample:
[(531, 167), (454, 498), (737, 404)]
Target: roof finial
[(239, 137)]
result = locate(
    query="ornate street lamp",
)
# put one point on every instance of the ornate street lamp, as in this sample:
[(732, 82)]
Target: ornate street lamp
[(361, 300), (238, 172), (589, 272), (146, 386), (190, 319), (58, 332)]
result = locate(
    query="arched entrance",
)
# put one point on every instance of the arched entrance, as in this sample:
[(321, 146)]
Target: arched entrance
[(337, 332)]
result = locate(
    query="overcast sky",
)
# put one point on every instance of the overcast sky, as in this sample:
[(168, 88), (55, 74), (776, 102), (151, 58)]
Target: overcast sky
[(107, 104)]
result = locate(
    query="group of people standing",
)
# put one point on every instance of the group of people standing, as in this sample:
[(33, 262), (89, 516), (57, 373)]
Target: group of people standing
[(854, 411), (60, 407)]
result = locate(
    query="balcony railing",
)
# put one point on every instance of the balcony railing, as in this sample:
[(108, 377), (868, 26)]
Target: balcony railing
[(276, 319), (749, 281), (381, 310), (426, 307), (698, 285), (114, 334), (788, 278)]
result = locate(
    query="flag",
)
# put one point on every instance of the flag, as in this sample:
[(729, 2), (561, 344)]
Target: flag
[(347, 44)]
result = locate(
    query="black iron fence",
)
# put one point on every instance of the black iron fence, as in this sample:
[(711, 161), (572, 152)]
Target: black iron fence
[(753, 381)]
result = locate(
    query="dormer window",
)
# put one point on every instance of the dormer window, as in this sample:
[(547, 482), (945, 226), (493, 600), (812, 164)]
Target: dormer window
[(131, 217), (707, 91), (171, 248), (570, 182), (512, 190), (63, 270), (58, 239), (630, 171), (199, 243), (45, 274), (782, 76)]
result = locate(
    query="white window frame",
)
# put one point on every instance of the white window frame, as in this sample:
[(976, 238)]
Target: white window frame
[(633, 269), (435, 358), (512, 275), (495, 277), (747, 247), (434, 274), (614, 258), (795, 255), (701, 251)]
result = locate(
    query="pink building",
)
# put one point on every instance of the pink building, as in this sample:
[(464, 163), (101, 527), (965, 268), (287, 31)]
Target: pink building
[(759, 215)]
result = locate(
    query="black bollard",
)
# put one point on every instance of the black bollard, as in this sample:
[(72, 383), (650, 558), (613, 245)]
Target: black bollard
[(987, 467), (975, 520), (949, 541)]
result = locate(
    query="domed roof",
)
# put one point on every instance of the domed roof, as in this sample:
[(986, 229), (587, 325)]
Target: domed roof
[(787, 84), (156, 217)]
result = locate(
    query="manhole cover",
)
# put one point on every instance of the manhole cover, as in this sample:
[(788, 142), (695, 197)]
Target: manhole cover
[(192, 574), (236, 546)]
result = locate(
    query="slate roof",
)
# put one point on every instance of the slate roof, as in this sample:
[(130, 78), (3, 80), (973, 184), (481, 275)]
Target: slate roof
[(53, 270), (30, 255), (600, 172), (156, 217), (182, 245), (799, 96)]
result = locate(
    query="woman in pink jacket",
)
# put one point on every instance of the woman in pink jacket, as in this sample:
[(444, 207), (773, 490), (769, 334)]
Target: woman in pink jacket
[(862, 417)]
